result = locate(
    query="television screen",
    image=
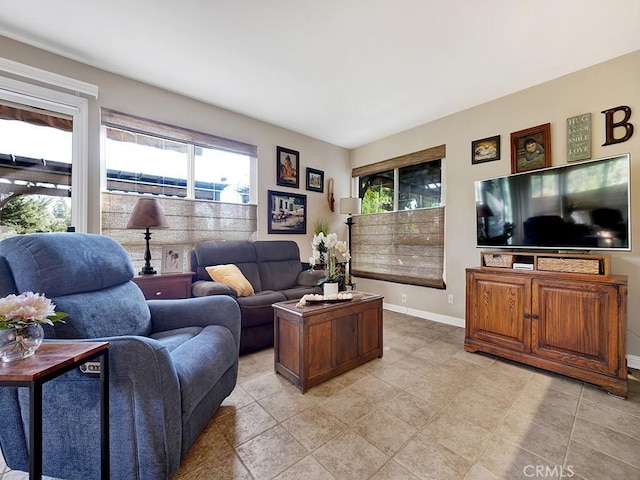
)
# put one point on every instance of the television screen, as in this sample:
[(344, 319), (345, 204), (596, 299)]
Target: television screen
[(581, 206)]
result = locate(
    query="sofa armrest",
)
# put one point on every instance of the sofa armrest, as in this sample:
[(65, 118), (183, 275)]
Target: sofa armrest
[(204, 288), (196, 312), (309, 278)]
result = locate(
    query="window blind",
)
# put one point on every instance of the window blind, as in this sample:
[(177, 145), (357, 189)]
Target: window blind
[(403, 247), (427, 155), (112, 118)]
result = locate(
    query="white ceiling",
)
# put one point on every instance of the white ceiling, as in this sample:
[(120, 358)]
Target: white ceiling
[(344, 71)]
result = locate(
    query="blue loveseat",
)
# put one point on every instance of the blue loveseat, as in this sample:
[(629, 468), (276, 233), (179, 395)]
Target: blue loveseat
[(172, 362)]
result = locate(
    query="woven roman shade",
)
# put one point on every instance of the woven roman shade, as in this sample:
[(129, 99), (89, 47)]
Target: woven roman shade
[(403, 247)]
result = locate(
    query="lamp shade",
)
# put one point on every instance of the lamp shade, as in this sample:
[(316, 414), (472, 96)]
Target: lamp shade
[(148, 213), (350, 205)]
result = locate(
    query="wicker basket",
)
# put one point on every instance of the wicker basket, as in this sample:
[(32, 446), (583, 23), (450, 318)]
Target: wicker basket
[(569, 265), (502, 260)]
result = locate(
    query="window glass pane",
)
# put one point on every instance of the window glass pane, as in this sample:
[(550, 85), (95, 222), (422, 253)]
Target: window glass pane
[(222, 176), (376, 191), (419, 186), (35, 174), (145, 164)]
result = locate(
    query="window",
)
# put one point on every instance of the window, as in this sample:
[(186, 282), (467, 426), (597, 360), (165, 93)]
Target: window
[(43, 152), (56, 108), (377, 192), (145, 164), (400, 235), (35, 170), (145, 156)]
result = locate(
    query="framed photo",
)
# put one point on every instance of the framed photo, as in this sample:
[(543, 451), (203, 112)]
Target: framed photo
[(172, 258), (531, 149), (485, 150), (287, 212), (315, 180), (288, 167)]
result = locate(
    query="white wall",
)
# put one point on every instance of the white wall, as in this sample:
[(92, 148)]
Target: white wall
[(595, 89), (120, 93)]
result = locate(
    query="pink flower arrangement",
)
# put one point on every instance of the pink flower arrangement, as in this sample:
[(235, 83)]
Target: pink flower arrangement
[(28, 308)]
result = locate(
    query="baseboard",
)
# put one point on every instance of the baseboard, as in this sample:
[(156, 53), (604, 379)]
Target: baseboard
[(633, 361), (436, 317)]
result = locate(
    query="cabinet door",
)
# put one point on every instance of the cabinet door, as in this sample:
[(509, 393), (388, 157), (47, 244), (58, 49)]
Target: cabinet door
[(498, 310), (345, 339), (576, 323), (369, 332)]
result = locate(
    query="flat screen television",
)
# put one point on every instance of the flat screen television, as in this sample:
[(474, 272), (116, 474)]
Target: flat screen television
[(578, 206)]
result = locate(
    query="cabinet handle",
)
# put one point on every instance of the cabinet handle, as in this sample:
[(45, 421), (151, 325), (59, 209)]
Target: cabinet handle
[(534, 316), (526, 315)]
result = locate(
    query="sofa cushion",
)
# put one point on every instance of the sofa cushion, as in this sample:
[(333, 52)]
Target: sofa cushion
[(257, 310), (231, 275), (119, 310), (278, 263), (241, 253), (299, 292)]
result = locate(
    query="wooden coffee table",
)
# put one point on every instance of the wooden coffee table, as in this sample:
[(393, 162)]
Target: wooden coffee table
[(323, 340)]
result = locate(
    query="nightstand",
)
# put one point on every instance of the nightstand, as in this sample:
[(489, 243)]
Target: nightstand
[(166, 286)]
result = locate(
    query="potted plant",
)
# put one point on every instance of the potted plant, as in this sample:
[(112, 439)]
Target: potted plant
[(330, 251)]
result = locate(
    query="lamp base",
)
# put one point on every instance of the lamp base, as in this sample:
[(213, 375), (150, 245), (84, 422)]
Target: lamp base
[(147, 270)]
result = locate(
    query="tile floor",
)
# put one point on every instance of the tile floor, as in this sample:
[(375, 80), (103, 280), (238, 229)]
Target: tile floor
[(426, 410)]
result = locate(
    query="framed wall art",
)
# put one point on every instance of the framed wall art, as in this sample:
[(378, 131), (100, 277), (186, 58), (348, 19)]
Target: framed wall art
[(485, 150), (287, 212), (315, 180), (172, 259), (288, 167), (531, 148)]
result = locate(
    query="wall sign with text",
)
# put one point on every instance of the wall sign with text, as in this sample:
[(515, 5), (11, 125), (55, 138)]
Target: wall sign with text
[(579, 137)]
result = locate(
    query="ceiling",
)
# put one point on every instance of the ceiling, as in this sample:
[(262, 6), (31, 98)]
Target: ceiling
[(344, 71)]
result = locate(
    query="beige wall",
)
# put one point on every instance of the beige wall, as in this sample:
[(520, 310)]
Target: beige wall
[(595, 89), (120, 93)]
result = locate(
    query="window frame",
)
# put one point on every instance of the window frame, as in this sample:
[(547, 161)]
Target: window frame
[(24, 93)]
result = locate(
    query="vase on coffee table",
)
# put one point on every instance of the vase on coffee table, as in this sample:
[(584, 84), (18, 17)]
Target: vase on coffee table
[(330, 288)]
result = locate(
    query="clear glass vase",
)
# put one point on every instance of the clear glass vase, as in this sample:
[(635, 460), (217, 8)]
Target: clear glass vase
[(20, 342)]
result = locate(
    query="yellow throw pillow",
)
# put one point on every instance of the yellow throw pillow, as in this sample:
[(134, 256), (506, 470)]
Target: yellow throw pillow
[(232, 276)]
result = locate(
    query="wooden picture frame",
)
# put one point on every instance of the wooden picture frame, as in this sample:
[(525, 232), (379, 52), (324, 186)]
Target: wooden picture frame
[(315, 180), (485, 150), (172, 259), (287, 212), (531, 148), (287, 167)]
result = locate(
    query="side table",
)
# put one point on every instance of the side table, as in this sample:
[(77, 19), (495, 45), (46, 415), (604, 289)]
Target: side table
[(165, 286), (51, 360)]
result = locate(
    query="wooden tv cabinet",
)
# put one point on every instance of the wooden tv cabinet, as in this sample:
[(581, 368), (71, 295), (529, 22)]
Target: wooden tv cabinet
[(551, 315)]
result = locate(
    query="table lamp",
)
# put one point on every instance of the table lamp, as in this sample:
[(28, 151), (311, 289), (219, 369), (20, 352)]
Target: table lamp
[(147, 213)]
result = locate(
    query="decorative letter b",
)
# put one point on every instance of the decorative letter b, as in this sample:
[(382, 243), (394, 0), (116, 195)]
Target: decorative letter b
[(610, 125)]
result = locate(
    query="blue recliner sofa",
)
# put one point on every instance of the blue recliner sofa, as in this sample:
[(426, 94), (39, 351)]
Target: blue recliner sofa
[(172, 362)]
